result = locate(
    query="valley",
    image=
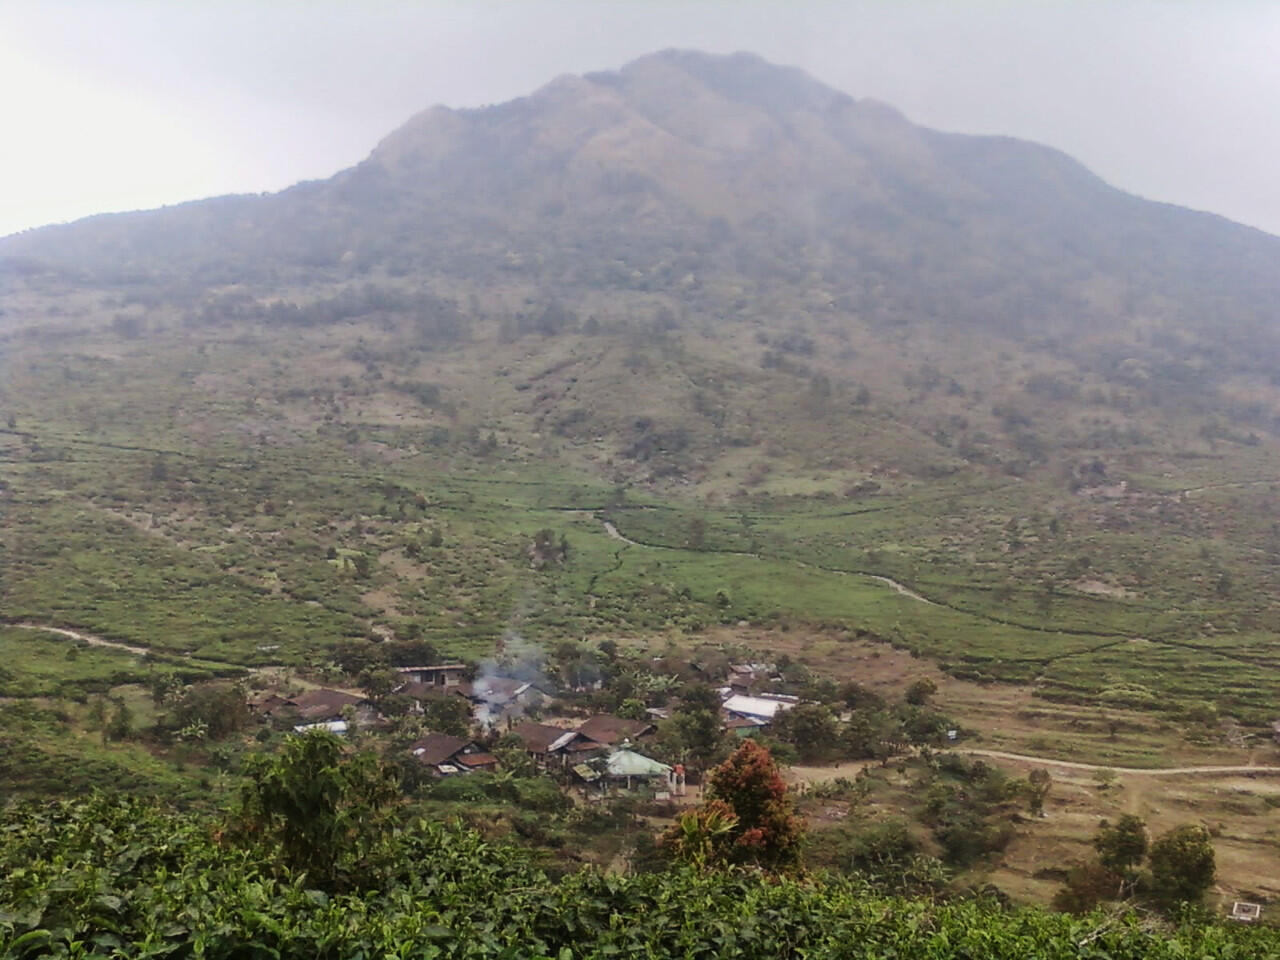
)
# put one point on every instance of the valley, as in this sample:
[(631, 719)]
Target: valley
[(889, 403)]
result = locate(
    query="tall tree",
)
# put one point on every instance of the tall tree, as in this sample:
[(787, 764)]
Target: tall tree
[(328, 810), (1122, 845), (1182, 864), (767, 830)]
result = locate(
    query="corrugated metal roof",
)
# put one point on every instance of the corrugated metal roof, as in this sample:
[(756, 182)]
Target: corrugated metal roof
[(628, 763), (765, 707)]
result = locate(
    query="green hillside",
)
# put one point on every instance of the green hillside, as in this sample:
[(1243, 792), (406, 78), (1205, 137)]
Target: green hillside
[(785, 341)]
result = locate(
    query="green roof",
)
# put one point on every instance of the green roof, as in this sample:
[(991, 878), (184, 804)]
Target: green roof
[(628, 763)]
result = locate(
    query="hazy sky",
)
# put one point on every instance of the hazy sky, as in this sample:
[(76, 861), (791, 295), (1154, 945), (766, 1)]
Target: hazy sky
[(120, 105)]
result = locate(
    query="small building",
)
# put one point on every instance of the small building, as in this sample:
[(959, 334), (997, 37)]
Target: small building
[(338, 727), (742, 726), (764, 707), (321, 706), (1246, 912), (440, 675), (745, 677), (548, 745), (626, 770), (497, 697), (419, 693), (608, 730), (446, 754)]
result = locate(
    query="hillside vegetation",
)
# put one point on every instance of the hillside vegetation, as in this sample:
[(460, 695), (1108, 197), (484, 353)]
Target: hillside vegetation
[(131, 879), (747, 344)]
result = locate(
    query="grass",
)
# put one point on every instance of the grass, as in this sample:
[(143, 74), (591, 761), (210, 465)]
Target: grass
[(230, 495)]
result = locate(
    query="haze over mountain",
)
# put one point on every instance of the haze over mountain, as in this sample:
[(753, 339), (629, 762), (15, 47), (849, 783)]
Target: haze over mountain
[(700, 190)]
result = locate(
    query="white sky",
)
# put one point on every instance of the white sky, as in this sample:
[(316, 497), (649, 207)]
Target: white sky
[(122, 104)]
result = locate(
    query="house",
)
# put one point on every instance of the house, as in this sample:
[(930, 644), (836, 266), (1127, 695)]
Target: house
[(446, 755), (321, 707), (326, 704), (496, 697), (420, 692), (329, 726), (547, 744), (266, 702), (441, 675), (742, 726), (626, 769), (764, 707), (745, 677), (606, 729)]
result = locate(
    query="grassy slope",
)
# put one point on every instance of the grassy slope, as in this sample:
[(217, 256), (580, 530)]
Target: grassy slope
[(181, 491)]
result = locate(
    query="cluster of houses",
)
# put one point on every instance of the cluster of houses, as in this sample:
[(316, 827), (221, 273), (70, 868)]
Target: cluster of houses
[(602, 753)]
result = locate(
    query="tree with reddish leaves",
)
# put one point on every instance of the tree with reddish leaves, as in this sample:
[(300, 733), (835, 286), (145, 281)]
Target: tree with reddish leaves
[(766, 831)]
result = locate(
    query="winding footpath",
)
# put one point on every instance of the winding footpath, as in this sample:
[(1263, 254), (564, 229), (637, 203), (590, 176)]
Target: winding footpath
[(89, 638), (887, 581), (1127, 771)]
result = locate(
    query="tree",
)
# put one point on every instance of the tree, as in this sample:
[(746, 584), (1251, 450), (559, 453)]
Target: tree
[(857, 697), (121, 725), (697, 696), (98, 715), (164, 687), (513, 756), (1038, 784), (1087, 885), (218, 708), (766, 831), (1182, 864), (810, 727), (355, 656), (1121, 847), (377, 682), (327, 810), (632, 709), (918, 693), (700, 837), (693, 735), (447, 714)]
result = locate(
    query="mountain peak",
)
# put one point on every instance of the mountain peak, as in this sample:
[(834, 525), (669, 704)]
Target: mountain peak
[(744, 77)]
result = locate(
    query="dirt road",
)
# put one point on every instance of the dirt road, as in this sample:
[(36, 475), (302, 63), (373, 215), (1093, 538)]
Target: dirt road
[(89, 638), (801, 774), (1128, 771)]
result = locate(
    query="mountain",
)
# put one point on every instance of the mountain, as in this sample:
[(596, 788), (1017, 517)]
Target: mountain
[(700, 357), (729, 171)]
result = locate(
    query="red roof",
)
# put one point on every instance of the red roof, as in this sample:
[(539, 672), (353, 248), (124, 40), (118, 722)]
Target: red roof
[(438, 748), (608, 729), (538, 737), (323, 704)]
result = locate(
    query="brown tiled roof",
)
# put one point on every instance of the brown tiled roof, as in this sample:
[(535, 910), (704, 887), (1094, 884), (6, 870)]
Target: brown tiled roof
[(323, 703), (538, 737), (477, 760), (437, 748), (608, 729)]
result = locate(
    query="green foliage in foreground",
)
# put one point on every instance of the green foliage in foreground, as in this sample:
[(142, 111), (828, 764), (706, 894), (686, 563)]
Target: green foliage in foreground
[(127, 878)]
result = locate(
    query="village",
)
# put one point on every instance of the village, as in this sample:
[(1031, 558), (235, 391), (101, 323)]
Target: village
[(592, 753)]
